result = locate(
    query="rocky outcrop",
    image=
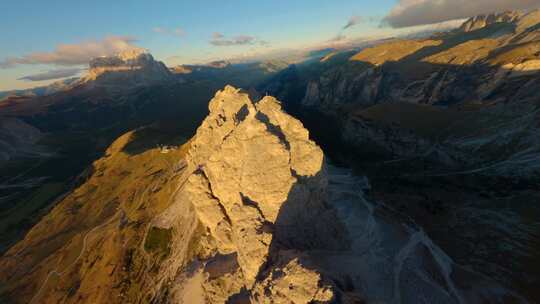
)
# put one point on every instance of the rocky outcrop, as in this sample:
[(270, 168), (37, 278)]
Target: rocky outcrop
[(256, 186), (261, 218)]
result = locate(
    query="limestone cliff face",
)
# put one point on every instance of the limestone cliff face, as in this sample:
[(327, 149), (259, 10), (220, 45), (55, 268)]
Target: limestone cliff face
[(255, 185)]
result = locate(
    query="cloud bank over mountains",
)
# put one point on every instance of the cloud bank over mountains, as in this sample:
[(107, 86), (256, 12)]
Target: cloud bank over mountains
[(74, 54), (421, 12), (52, 74)]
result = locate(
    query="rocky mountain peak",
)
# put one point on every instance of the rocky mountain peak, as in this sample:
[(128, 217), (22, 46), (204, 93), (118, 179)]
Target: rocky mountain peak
[(481, 21), (135, 65), (256, 183), (134, 54), (131, 57), (232, 112)]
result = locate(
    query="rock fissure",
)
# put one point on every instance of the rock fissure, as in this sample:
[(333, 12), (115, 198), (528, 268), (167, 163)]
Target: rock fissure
[(246, 201), (213, 196), (273, 129)]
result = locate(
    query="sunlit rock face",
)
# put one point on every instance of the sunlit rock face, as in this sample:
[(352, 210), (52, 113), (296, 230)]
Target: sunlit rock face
[(130, 66), (256, 184)]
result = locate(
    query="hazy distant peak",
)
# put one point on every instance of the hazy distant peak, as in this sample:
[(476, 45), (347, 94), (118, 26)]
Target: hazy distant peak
[(128, 67)]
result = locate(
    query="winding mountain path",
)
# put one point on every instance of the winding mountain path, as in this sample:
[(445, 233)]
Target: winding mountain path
[(83, 249)]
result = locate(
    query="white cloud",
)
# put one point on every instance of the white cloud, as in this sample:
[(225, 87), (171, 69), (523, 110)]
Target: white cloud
[(74, 54), (420, 12), (52, 74)]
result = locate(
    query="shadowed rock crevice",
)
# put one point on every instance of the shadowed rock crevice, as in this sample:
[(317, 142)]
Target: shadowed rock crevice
[(242, 114), (275, 130), (246, 201)]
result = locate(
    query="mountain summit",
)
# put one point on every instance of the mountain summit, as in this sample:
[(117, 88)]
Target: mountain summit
[(134, 66), (256, 185)]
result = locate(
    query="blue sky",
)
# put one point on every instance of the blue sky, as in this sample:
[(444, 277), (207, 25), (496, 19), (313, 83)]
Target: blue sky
[(55, 37), (28, 27), (37, 25)]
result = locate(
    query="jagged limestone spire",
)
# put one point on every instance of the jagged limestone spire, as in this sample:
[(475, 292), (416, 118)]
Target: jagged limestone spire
[(255, 180)]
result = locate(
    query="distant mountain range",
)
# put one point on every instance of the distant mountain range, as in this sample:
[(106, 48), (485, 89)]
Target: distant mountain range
[(487, 67), (40, 91)]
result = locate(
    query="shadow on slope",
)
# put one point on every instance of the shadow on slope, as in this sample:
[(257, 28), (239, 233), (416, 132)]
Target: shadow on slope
[(164, 135)]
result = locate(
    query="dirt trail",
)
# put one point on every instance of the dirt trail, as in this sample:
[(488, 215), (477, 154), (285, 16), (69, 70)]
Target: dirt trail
[(83, 249)]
